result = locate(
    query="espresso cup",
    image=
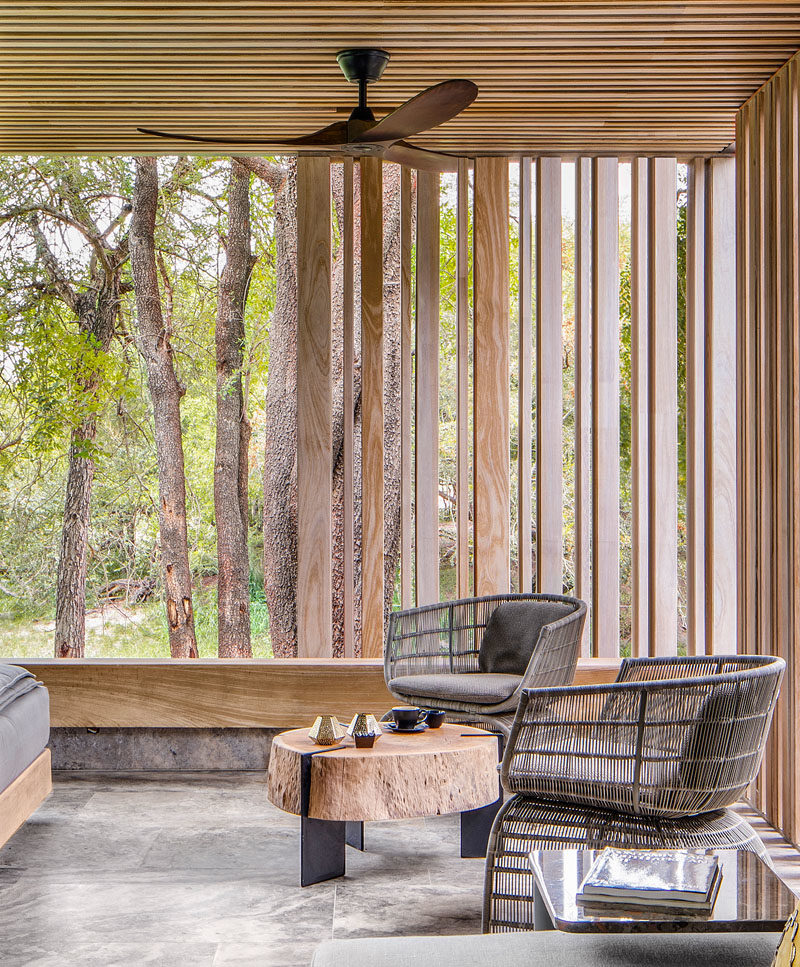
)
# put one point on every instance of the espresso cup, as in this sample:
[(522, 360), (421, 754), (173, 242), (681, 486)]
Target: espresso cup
[(434, 719), (406, 717)]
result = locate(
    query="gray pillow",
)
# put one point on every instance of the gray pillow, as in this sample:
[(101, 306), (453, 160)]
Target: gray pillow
[(512, 632)]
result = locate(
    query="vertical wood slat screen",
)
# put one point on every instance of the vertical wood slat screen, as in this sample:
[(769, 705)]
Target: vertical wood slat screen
[(490, 377), (598, 364), (549, 330), (314, 444), (768, 359), (426, 477), (371, 408)]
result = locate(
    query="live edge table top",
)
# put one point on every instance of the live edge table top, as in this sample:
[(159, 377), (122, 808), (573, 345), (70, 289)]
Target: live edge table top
[(750, 898), (446, 770)]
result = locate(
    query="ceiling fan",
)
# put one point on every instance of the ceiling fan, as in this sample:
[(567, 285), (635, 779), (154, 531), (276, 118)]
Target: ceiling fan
[(361, 134)]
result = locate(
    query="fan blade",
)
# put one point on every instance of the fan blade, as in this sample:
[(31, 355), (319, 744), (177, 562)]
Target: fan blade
[(403, 153), (333, 136), (428, 109)]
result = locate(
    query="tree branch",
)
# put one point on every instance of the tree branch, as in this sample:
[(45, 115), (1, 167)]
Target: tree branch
[(45, 253), (274, 175)]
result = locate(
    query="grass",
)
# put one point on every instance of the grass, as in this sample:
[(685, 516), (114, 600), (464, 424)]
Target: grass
[(132, 631)]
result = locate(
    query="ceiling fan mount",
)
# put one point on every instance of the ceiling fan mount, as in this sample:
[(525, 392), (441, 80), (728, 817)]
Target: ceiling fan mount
[(362, 134), (362, 66)]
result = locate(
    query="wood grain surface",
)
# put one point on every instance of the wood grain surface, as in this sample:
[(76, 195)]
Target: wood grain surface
[(640, 510), (491, 337), (605, 408), (768, 416), (314, 460), (25, 794), (696, 408), (426, 476), (549, 380), (525, 379), (348, 412), (244, 693), (463, 500), (663, 408), (626, 77), (720, 411), (583, 390), (371, 408), (444, 770)]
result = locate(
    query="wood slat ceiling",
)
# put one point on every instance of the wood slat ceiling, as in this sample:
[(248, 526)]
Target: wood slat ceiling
[(569, 77)]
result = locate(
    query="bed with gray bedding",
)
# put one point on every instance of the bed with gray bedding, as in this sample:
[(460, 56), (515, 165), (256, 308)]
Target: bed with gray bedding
[(24, 722)]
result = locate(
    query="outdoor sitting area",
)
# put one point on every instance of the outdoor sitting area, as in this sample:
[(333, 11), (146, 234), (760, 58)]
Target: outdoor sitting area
[(400, 484)]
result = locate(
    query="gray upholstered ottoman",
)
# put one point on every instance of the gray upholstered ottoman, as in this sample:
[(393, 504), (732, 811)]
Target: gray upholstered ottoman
[(553, 949)]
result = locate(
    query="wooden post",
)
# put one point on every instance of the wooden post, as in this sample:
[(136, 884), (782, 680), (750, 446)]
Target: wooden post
[(720, 407), (313, 408), (490, 377), (549, 416), (696, 409), (348, 359), (462, 380), (524, 456), (426, 477), (640, 512), (406, 392), (371, 408), (583, 390), (663, 409), (605, 414)]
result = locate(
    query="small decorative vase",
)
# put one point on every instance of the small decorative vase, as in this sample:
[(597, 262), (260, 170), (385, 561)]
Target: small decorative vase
[(326, 730), (364, 729)]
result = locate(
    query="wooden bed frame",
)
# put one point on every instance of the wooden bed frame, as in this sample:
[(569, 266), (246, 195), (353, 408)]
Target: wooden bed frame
[(25, 795)]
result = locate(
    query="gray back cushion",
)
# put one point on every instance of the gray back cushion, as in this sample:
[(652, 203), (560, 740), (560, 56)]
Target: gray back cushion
[(512, 632)]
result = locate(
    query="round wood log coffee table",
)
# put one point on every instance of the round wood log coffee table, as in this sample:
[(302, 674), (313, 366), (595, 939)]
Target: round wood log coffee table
[(336, 789)]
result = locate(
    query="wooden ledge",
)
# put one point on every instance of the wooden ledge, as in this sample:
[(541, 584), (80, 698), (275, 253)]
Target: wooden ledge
[(223, 693)]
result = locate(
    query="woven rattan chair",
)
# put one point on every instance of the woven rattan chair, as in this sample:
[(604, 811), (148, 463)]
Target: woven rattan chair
[(474, 657), (653, 760)]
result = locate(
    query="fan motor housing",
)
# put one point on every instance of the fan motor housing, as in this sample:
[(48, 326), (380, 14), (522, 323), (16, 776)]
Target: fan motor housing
[(363, 64)]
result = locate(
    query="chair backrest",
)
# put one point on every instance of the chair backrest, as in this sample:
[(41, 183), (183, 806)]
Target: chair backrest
[(513, 631), (448, 636), (672, 737)]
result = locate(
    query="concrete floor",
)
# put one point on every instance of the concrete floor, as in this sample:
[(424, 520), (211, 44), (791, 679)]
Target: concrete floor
[(200, 870)]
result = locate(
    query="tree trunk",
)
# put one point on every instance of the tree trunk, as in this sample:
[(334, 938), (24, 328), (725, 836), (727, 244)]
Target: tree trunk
[(70, 635), (165, 392), (230, 462), (97, 312), (280, 463)]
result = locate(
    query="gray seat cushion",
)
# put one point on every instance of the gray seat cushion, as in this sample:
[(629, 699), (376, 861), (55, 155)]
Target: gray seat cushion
[(512, 632), (549, 948), (473, 687), (24, 721)]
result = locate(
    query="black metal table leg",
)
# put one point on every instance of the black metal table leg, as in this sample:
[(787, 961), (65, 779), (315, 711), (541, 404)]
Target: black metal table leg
[(322, 841), (476, 824), (321, 850), (354, 835)]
